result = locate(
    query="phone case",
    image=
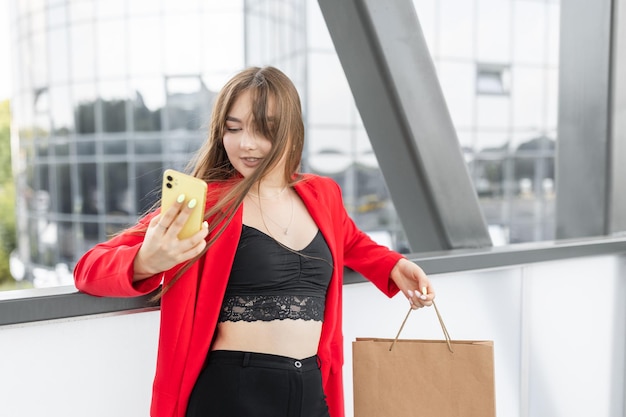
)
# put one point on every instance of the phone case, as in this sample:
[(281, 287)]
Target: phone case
[(176, 183)]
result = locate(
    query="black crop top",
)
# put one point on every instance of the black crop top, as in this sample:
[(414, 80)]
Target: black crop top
[(271, 282)]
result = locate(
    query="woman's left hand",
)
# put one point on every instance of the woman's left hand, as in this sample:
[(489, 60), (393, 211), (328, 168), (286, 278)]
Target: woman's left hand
[(412, 281)]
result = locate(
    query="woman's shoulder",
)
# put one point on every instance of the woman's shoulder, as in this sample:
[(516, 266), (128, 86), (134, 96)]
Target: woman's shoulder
[(318, 181), (322, 189)]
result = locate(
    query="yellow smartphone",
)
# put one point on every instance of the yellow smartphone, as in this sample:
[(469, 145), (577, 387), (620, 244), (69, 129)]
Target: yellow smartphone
[(176, 183)]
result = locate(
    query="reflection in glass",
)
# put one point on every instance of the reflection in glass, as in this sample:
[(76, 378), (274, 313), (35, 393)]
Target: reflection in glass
[(61, 110), (115, 147), (81, 10), (116, 192), (42, 112), (456, 30), (64, 190), (83, 49), (114, 96), (145, 53), (67, 239), (188, 102), (181, 45), (111, 8), (39, 68), (61, 147), (85, 108), (85, 148), (148, 146), (213, 25), (148, 102), (332, 104), (60, 61), (57, 15), (148, 183), (111, 48), (89, 194)]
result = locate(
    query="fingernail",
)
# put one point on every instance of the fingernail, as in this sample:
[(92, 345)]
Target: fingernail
[(410, 293), (205, 224), (181, 198), (192, 203), (423, 297)]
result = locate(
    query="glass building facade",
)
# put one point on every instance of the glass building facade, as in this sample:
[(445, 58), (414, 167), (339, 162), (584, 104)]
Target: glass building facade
[(108, 93)]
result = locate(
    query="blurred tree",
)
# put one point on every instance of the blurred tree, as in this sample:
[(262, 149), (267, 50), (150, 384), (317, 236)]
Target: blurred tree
[(8, 238)]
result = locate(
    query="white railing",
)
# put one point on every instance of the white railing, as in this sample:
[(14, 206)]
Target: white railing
[(558, 329)]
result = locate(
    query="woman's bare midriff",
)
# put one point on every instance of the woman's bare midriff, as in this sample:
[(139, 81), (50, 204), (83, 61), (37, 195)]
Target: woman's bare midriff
[(296, 339)]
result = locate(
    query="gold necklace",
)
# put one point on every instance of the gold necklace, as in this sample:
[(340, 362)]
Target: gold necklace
[(270, 197), (285, 229)]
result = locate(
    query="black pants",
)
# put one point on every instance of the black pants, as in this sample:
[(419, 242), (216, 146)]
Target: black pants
[(244, 384)]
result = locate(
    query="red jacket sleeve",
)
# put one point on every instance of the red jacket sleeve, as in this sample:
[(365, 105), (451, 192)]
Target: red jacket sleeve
[(365, 256), (107, 268)]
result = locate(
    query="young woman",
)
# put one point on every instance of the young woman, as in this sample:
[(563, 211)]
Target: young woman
[(250, 304)]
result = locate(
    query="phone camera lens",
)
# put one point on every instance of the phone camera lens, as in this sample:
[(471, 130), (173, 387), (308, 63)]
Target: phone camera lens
[(168, 185), (170, 178)]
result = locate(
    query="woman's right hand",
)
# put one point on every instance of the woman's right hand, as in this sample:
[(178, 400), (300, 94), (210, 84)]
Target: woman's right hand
[(161, 249)]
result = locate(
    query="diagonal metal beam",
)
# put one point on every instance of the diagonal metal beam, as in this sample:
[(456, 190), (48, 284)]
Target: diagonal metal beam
[(393, 80)]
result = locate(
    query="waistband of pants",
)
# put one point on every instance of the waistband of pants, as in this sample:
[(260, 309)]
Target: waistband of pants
[(263, 360)]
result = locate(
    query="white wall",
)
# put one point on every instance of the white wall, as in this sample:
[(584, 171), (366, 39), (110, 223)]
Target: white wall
[(558, 329)]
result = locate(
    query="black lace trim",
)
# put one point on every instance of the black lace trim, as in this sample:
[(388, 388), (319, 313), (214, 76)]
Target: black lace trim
[(272, 307)]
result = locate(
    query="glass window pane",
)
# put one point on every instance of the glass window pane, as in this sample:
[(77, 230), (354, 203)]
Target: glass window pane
[(457, 83), (114, 95), (318, 35), (530, 37), (554, 27), (67, 243), (85, 108), (181, 6), (493, 31), (61, 110), (456, 31), (61, 147), (143, 7), (148, 183), (39, 68), (89, 195), (218, 55), (529, 104), (116, 188), (188, 103), (60, 61), (111, 8), (83, 52), (111, 43), (493, 112), (57, 15), (145, 46), (182, 44), (41, 114), (64, 189), (330, 150), (148, 146), (81, 10), (85, 148), (330, 96), (149, 100), (115, 147)]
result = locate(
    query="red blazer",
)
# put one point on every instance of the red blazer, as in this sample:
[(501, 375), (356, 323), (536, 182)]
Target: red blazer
[(189, 311)]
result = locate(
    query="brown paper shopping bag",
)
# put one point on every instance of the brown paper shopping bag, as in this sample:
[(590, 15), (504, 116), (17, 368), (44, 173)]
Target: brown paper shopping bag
[(431, 378)]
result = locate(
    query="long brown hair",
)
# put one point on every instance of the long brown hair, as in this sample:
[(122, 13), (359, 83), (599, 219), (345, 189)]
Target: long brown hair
[(273, 95)]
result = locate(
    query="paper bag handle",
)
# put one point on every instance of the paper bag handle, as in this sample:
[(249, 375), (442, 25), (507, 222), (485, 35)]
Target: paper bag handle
[(443, 327)]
